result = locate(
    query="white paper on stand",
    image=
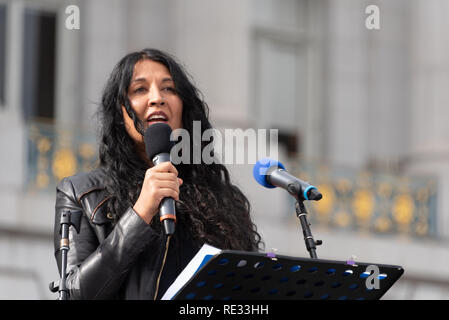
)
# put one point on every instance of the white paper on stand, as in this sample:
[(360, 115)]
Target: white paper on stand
[(204, 254)]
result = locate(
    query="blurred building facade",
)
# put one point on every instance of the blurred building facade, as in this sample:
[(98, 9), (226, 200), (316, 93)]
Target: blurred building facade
[(361, 113)]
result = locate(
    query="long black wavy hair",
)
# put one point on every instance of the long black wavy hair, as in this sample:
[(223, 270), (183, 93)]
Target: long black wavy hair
[(212, 207)]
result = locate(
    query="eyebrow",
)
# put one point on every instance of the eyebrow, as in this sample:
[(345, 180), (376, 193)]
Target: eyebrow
[(144, 80)]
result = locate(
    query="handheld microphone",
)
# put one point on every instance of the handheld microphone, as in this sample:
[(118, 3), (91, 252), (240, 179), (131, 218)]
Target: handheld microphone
[(158, 146), (271, 174)]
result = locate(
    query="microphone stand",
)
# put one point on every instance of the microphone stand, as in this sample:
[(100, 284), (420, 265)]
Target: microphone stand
[(311, 244), (67, 218)]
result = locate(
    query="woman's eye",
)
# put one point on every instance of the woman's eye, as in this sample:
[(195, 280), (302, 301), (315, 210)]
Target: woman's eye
[(169, 89), (139, 90)]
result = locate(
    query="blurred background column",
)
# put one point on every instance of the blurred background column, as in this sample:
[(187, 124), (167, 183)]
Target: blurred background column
[(12, 136), (430, 98), (388, 95), (104, 25), (346, 101), (68, 69)]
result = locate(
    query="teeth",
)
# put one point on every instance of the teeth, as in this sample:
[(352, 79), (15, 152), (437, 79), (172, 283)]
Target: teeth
[(157, 118)]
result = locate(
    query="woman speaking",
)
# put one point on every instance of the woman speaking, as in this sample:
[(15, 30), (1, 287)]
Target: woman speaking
[(120, 251)]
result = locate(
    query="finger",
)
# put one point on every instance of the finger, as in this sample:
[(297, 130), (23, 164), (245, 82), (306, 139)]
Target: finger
[(165, 167), (164, 184), (164, 176), (168, 193)]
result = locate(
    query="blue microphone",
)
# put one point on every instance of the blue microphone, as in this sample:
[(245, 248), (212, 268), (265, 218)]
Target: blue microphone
[(271, 174)]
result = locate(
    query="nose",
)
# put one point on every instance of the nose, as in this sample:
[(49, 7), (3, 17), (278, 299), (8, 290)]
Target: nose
[(155, 98)]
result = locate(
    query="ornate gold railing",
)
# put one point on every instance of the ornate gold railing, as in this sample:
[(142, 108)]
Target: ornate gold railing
[(358, 200), (383, 203), (54, 153)]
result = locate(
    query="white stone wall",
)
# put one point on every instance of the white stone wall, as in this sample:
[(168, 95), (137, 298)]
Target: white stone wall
[(365, 95)]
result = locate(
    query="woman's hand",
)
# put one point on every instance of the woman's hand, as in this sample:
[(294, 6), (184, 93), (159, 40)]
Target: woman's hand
[(161, 181)]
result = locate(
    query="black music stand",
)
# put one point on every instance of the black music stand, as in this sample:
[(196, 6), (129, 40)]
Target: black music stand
[(238, 275)]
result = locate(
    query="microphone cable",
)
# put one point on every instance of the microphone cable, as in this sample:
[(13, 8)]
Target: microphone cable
[(167, 244)]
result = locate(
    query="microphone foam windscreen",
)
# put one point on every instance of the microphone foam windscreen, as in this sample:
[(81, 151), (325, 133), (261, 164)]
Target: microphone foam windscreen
[(157, 139), (260, 170)]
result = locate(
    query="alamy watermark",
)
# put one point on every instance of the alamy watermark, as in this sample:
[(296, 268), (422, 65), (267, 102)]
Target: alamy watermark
[(72, 22), (373, 277), (372, 21), (372, 274), (235, 146)]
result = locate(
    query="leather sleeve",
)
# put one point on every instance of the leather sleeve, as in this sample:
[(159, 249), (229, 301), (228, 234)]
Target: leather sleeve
[(96, 270)]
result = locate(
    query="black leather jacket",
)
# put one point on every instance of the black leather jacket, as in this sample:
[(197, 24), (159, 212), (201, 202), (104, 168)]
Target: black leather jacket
[(114, 260)]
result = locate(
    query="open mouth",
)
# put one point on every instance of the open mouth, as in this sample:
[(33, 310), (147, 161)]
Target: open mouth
[(157, 116)]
